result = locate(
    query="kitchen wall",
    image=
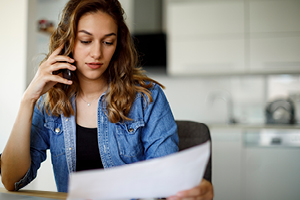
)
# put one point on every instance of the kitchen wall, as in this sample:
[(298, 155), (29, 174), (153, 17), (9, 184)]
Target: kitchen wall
[(199, 98), (13, 44), (207, 99)]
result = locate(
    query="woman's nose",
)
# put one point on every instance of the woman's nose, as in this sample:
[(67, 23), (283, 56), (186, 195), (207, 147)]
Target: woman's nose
[(96, 51)]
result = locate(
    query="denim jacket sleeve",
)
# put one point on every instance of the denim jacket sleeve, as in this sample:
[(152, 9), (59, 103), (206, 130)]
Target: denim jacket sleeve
[(38, 146), (160, 136)]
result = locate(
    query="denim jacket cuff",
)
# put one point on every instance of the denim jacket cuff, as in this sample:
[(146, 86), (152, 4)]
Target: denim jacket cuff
[(24, 181)]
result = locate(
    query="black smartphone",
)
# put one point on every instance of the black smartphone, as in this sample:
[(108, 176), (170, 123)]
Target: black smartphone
[(67, 74)]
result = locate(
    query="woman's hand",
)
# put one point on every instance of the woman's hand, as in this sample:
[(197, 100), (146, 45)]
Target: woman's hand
[(45, 79), (204, 191)]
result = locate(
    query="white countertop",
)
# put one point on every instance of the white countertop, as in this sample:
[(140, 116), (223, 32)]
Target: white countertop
[(253, 126)]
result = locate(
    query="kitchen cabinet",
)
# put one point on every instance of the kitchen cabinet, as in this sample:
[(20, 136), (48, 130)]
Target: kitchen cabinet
[(270, 165), (255, 162), (274, 36), (205, 37), (233, 37), (271, 174), (274, 16), (271, 54), (194, 17), (226, 163), (217, 56)]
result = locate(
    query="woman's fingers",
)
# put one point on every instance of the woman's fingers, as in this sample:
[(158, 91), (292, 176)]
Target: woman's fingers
[(190, 194), (56, 62), (57, 51), (59, 79), (58, 66), (204, 191), (56, 57), (43, 83), (60, 58)]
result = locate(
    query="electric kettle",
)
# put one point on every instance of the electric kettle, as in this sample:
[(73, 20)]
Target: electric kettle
[(280, 111)]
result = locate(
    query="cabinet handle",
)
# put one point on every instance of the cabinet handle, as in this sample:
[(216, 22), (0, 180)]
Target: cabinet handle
[(276, 141)]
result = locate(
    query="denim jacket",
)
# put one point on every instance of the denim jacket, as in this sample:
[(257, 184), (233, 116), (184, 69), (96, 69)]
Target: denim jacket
[(151, 133)]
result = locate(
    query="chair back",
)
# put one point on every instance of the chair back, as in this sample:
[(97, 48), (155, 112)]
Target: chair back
[(191, 134)]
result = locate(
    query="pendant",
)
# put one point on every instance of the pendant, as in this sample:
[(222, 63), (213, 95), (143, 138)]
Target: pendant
[(89, 104)]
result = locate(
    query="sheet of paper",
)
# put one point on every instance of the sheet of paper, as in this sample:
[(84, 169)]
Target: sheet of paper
[(159, 177)]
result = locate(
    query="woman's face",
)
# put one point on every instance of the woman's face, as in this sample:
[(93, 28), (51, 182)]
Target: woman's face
[(95, 44)]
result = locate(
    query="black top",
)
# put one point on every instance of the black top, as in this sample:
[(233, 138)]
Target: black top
[(87, 149)]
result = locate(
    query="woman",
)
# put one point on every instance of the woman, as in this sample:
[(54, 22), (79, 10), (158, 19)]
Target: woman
[(108, 114)]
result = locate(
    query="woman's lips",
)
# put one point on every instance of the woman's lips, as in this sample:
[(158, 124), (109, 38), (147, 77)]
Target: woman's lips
[(94, 65)]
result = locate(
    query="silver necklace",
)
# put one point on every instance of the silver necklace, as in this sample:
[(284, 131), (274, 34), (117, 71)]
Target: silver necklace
[(88, 103)]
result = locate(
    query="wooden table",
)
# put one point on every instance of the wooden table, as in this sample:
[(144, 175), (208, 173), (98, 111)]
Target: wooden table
[(37, 193)]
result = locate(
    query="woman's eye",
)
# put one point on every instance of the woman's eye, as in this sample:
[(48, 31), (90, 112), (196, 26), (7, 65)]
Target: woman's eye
[(85, 42), (108, 43)]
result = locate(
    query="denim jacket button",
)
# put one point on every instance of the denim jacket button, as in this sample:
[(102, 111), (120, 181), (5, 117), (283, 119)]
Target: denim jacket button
[(57, 130), (130, 130)]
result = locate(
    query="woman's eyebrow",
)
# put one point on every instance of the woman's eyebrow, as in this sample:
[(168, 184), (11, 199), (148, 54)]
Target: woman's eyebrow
[(84, 31), (88, 33), (110, 34)]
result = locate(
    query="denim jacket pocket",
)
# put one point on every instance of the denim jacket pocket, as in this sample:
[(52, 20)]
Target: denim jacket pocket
[(129, 138), (57, 144)]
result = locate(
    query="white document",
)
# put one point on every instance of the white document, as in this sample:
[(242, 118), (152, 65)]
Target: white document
[(159, 177)]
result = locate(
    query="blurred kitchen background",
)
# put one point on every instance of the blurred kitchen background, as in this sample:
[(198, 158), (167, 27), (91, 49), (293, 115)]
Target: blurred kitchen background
[(232, 64)]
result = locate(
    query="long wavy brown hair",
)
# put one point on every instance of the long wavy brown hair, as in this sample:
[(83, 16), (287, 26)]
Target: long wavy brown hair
[(126, 79)]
